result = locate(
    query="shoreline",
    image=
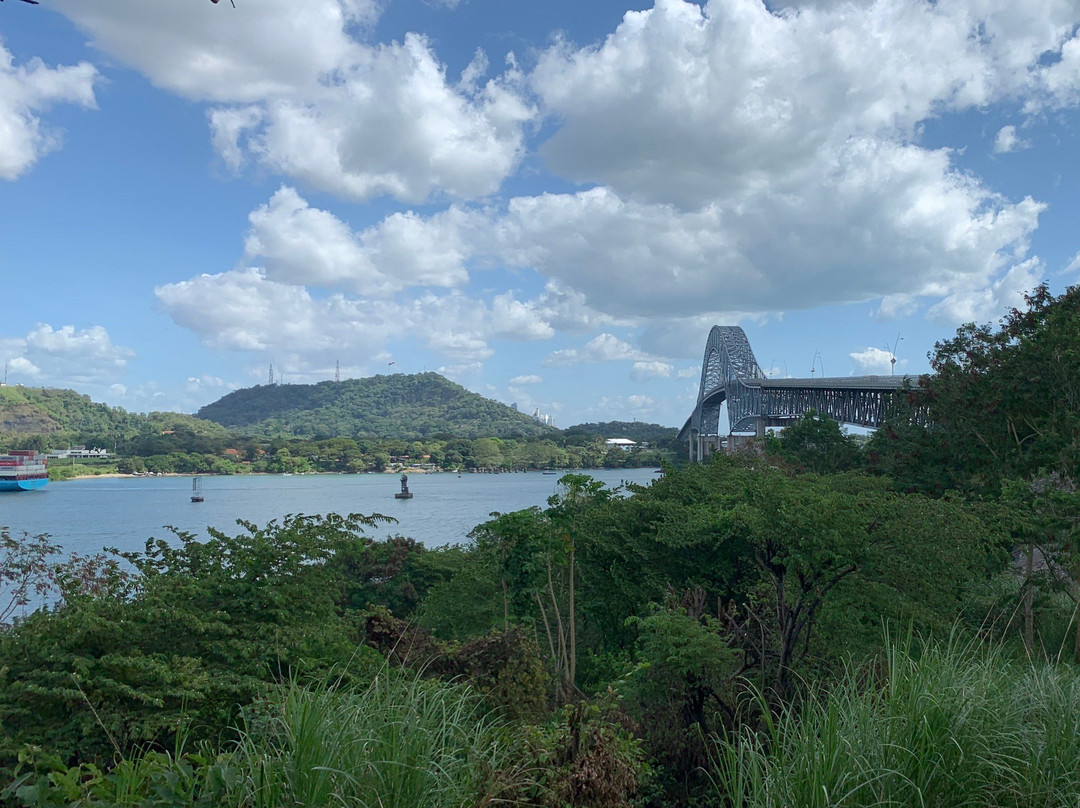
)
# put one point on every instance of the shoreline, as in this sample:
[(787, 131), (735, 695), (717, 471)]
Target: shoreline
[(118, 475)]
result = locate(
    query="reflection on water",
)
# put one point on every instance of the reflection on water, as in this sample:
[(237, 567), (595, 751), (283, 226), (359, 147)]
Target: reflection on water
[(87, 515)]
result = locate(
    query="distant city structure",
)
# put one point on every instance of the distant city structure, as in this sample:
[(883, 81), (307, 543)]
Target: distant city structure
[(546, 420)]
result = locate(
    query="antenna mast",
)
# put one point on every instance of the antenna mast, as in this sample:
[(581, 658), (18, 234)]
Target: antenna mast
[(337, 371), (271, 379)]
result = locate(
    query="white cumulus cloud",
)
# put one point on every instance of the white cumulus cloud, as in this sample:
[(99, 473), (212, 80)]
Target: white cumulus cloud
[(1072, 266), (299, 244), (64, 357), (1008, 141), (245, 310), (875, 361), (640, 371), (25, 91), (739, 97), (603, 348), (301, 91)]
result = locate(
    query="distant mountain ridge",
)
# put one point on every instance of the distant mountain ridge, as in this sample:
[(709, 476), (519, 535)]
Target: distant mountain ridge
[(406, 406)]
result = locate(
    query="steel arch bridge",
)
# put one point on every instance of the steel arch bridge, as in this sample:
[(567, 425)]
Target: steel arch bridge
[(729, 372)]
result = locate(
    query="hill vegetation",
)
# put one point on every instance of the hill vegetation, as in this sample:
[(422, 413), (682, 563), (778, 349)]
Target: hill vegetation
[(402, 406), (42, 417), (816, 624), (354, 426)]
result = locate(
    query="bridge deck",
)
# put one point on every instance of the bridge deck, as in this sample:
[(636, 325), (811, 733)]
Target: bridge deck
[(837, 382), (731, 374)]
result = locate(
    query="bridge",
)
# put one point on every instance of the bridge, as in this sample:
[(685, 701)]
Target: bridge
[(730, 373)]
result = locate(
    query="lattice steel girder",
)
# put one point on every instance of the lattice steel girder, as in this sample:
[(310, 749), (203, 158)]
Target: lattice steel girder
[(728, 360), (729, 372)]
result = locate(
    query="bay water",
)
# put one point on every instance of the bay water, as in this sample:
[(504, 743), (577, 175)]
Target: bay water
[(87, 515)]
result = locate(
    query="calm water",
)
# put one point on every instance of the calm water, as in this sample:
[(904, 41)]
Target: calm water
[(87, 515)]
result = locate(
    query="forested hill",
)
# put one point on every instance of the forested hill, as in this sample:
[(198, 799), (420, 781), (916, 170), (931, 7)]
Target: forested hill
[(399, 406), (60, 416)]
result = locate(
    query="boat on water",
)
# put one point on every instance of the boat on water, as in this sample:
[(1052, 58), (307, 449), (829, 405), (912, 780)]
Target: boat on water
[(23, 470), (196, 489)]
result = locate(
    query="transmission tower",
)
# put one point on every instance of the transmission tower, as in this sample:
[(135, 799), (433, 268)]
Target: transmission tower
[(337, 371), (271, 379)]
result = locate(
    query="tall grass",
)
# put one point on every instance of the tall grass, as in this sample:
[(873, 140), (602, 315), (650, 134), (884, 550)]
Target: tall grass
[(946, 725), (398, 742)]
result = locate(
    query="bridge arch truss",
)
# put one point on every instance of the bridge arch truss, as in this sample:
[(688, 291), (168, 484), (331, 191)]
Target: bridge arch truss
[(731, 374)]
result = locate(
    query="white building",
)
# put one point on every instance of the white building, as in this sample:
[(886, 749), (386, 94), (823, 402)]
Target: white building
[(620, 443), (78, 451)]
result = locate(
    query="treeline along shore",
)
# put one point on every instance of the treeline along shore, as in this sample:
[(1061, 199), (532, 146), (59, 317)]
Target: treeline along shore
[(814, 622), (359, 425)]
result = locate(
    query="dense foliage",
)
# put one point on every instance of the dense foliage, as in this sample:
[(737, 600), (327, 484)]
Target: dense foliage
[(1003, 404), (407, 406), (779, 628)]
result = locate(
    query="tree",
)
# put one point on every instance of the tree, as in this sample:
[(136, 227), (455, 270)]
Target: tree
[(1044, 515), (680, 682), (774, 555), (486, 453), (1003, 404), (26, 572), (819, 445), (534, 554), (1003, 409)]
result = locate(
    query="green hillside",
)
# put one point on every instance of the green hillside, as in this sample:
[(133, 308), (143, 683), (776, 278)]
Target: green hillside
[(54, 417), (44, 411), (398, 406)]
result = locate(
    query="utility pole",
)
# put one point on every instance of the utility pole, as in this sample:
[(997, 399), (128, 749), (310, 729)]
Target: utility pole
[(892, 354)]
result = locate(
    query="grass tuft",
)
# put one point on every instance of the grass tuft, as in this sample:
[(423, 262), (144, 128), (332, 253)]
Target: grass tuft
[(952, 724)]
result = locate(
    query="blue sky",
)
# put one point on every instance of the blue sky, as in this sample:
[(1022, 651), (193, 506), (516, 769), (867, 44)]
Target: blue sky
[(548, 202)]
